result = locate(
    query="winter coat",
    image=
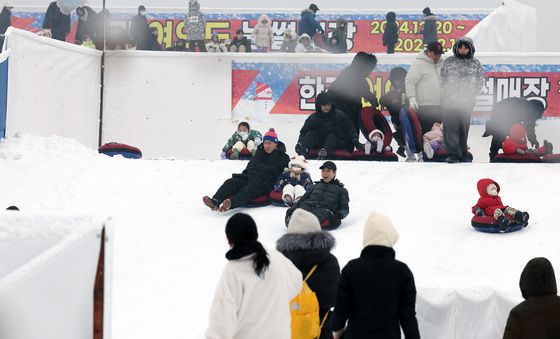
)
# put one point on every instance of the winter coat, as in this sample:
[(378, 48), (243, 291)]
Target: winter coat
[(5, 20), (511, 111), (57, 22), (247, 306), (461, 79), (376, 294), (195, 22), (330, 196), (86, 25), (436, 134), (306, 250), (215, 46), (152, 43), (253, 135), (140, 31), (341, 35), (391, 34), (242, 42), (289, 44), (263, 168), (307, 24), (332, 122), (487, 202), (430, 29), (538, 317), (516, 139), (288, 177), (311, 48), (423, 80), (262, 33)]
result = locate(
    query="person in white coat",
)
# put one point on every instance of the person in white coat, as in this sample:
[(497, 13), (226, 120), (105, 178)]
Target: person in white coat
[(423, 87), (253, 296)]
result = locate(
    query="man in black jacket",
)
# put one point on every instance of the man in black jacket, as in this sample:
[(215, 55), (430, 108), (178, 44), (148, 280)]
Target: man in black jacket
[(327, 199), (257, 179), (140, 31), (57, 22), (328, 129), (512, 111), (86, 24)]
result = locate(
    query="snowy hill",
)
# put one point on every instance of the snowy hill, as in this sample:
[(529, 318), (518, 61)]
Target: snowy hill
[(169, 249)]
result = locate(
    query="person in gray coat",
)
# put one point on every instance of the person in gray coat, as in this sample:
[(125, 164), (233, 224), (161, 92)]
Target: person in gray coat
[(195, 26), (462, 78)]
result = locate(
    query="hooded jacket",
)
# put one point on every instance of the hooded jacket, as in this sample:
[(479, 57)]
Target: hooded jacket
[(57, 22), (86, 24), (215, 45), (308, 24), (300, 48), (195, 22), (423, 80), (517, 138), (262, 33), (486, 202), (391, 34), (462, 78), (289, 43), (340, 33), (330, 196), (538, 317), (435, 134)]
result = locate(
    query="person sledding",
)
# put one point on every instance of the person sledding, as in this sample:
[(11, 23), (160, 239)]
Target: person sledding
[(295, 181), (327, 199), (490, 204), (516, 143), (244, 137), (256, 180)]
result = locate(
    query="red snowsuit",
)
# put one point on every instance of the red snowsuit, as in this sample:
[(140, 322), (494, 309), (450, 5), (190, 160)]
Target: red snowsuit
[(517, 138), (486, 202)]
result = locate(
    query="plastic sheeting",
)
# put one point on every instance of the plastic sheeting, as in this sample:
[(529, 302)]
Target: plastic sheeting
[(512, 27)]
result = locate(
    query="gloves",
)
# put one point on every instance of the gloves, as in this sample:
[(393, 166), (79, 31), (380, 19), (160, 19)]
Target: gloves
[(478, 211), (223, 155), (258, 141), (413, 103), (359, 146), (519, 151)]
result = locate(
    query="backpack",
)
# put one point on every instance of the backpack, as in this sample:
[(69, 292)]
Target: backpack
[(304, 309)]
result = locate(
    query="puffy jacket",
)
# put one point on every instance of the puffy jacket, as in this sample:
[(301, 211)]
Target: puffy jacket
[(242, 42), (253, 135), (57, 22), (340, 33), (461, 79), (517, 139), (331, 196), (303, 179), (195, 22), (487, 202), (289, 43), (430, 29), (538, 317), (86, 25), (436, 134), (262, 33), (391, 34), (264, 168), (307, 24), (423, 82)]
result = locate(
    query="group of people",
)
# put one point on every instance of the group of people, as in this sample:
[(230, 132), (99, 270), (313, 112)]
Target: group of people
[(374, 296)]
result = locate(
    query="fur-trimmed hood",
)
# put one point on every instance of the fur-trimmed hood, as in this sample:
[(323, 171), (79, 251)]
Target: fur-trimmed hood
[(291, 242)]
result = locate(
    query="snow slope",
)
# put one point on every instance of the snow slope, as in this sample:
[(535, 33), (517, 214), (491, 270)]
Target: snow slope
[(169, 249)]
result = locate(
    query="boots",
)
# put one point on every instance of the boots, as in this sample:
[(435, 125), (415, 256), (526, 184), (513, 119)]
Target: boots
[(502, 223), (522, 218), (322, 155)]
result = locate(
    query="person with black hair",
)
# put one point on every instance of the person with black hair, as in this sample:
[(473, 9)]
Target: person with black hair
[(350, 86), (308, 24), (57, 22), (430, 26), (240, 43), (391, 33), (140, 31), (86, 24), (538, 317), (252, 299)]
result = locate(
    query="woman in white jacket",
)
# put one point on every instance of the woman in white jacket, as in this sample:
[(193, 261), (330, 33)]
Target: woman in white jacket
[(252, 299)]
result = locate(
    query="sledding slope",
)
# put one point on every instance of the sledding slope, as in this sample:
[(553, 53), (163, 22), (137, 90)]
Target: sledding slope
[(169, 249)]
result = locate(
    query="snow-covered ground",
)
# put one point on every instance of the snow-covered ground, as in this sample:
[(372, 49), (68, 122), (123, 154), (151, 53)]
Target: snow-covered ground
[(169, 248)]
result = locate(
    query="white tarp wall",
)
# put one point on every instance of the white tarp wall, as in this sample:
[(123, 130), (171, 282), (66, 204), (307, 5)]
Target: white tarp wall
[(53, 88), (512, 27), (48, 265)]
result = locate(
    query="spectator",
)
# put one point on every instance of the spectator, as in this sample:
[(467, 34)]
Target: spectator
[(423, 86), (307, 245), (290, 41), (178, 46), (327, 199), (253, 295), (538, 316), (5, 20), (394, 101), (140, 31), (262, 34), (195, 25), (341, 33), (308, 24), (334, 46), (430, 26), (86, 24), (508, 112), (351, 86), (306, 45), (376, 293), (57, 22), (152, 43), (215, 45), (462, 78), (391, 34), (257, 179), (328, 129), (240, 43)]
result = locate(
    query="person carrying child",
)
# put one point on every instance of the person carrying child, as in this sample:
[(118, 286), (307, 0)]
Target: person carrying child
[(516, 143), (295, 181), (244, 137), (433, 140), (491, 204)]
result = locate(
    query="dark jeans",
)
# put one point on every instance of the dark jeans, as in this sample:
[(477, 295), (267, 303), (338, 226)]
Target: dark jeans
[(200, 43), (331, 142), (427, 116), (241, 190), (456, 124), (391, 49)]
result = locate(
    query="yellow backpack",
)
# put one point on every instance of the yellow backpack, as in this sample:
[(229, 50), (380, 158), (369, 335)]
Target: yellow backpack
[(304, 309)]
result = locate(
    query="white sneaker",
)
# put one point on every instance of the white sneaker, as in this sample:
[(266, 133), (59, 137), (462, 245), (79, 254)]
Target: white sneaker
[(428, 150)]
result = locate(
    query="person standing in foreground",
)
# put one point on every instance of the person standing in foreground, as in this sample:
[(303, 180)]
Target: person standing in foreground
[(462, 78), (252, 299), (376, 293)]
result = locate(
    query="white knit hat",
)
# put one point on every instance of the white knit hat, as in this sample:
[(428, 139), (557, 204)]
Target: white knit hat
[(303, 221), (379, 230), (298, 160), (375, 131)]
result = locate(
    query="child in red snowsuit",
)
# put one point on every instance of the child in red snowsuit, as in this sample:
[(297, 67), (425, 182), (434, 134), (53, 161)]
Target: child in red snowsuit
[(516, 143), (491, 204)]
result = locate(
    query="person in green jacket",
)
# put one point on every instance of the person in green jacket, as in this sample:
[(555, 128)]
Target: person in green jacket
[(244, 137), (340, 33)]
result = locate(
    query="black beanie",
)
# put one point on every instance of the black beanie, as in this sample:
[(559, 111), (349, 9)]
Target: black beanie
[(241, 229), (427, 11)]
